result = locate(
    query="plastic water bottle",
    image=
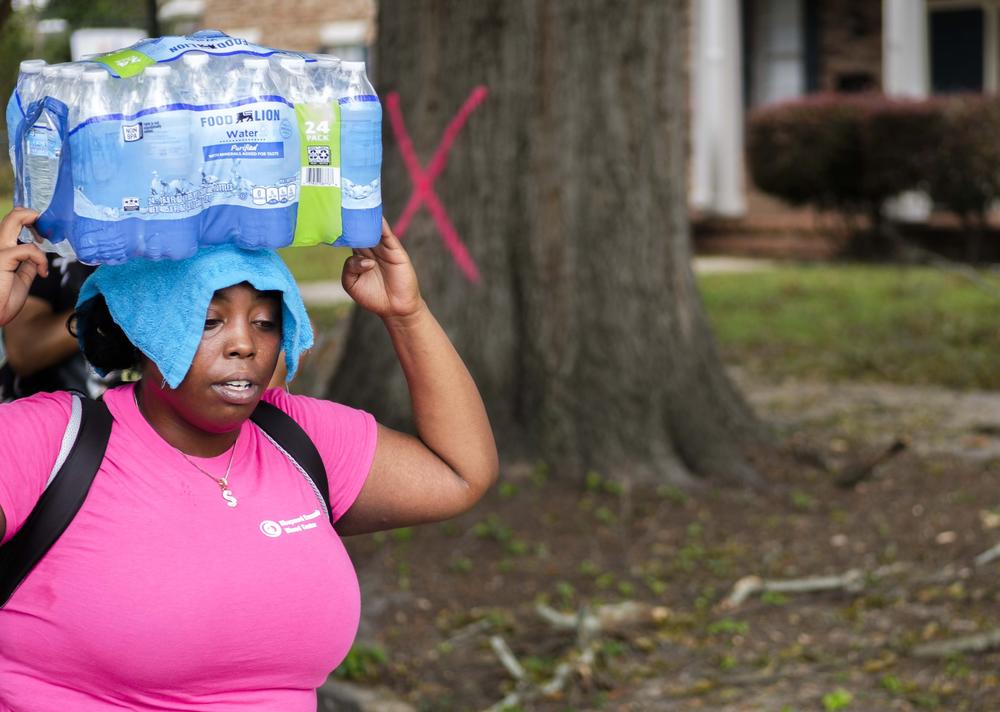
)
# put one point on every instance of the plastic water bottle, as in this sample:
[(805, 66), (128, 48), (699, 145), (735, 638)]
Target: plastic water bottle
[(69, 81), (98, 234), (361, 160), (49, 81), (293, 81), (196, 87), (255, 81), (40, 150), (271, 145), (24, 93), (26, 89), (169, 144), (319, 218), (172, 222)]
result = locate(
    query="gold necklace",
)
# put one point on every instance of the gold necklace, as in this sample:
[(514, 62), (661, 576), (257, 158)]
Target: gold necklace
[(223, 482)]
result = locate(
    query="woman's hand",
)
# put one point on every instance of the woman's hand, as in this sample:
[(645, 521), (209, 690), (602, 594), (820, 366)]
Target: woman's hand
[(18, 263), (381, 279)]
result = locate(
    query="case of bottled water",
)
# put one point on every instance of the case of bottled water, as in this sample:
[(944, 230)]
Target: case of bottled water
[(181, 142)]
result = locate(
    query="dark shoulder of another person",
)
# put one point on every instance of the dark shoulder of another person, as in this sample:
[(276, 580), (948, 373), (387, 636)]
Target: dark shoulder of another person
[(62, 285)]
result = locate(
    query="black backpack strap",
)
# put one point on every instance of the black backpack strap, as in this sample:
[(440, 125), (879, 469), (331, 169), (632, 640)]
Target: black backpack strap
[(62, 498), (289, 437)]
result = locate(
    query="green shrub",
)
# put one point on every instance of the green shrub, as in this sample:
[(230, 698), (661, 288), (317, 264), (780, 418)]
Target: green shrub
[(964, 171), (896, 136), (851, 153), (807, 152)]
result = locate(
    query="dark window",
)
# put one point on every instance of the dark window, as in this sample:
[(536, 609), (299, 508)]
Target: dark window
[(855, 82), (956, 50)]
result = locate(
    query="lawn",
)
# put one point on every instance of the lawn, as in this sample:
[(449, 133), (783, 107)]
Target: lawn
[(836, 322), (833, 322)]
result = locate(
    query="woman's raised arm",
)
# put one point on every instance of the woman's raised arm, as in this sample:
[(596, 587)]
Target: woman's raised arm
[(18, 263), (453, 460)]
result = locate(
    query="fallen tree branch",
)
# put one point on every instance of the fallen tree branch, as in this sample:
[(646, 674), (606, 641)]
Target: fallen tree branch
[(607, 618), (507, 657), (857, 472), (511, 700), (567, 621), (751, 585), (852, 581), (579, 661), (978, 643), (466, 632), (988, 556)]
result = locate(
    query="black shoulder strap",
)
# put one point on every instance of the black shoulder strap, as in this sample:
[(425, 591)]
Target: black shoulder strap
[(61, 500), (297, 445)]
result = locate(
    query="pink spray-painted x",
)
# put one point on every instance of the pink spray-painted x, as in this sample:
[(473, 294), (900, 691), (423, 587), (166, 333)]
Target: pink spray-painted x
[(423, 180)]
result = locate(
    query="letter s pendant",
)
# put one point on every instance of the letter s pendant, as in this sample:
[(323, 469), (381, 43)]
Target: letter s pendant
[(228, 496)]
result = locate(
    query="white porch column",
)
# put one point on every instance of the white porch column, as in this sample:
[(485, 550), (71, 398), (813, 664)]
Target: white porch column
[(906, 74), (905, 62), (717, 103)]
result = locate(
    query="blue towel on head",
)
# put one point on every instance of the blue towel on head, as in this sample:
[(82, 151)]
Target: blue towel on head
[(161, 304)]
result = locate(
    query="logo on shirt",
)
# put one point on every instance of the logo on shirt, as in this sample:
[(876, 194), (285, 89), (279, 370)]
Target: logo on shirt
[(274, 529)]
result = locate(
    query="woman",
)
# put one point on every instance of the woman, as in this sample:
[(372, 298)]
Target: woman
[(189, 579)]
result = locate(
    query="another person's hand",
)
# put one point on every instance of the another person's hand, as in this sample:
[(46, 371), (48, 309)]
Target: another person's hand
[(18, 263), (381, 279)]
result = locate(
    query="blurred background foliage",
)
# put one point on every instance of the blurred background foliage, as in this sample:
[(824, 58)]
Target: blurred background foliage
[(98, 13)]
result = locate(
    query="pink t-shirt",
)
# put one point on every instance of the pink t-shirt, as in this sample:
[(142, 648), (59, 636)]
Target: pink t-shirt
[(159, 596)]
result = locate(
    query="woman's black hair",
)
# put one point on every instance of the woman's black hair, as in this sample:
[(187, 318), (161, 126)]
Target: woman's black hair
[(104, 343)]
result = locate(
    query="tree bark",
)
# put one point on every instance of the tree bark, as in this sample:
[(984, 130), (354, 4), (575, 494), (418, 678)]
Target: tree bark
[(586, 334), (6, 8)]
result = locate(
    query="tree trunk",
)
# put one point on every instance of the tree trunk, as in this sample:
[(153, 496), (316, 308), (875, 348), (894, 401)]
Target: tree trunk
[(6, 7), (586, 334)]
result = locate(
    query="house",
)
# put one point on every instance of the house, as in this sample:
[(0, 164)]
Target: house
[(345, 28), (749, 53)]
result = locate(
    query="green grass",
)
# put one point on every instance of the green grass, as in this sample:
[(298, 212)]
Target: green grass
[(906, 325)]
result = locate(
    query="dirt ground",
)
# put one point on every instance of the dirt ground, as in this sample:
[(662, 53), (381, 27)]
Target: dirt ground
[(435, 596)]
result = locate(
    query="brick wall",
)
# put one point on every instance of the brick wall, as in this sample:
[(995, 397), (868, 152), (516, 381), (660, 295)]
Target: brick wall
[(850, 44), (287, 25)]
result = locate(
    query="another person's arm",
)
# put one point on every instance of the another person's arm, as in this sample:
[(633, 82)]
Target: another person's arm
[(37, 338), (18, 263), (453, 460), (18, 266)]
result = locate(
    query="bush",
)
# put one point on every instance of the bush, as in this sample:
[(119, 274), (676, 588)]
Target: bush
[(851, 153), (896, 136), (807, 152), (964, 170)]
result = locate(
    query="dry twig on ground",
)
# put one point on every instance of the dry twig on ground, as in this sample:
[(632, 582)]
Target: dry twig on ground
[(857, 472), (579, 661), (988, 556), (978, 643), (852, 581)]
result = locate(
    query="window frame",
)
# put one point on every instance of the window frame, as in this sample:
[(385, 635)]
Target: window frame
[(991, 37)]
